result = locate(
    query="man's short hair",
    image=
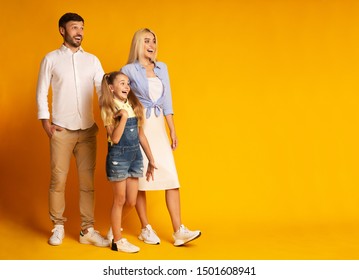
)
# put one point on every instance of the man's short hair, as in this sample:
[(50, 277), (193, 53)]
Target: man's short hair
[(69, 17)]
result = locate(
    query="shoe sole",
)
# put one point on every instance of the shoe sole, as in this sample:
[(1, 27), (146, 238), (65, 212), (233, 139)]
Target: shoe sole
[(53, 244), (131, 252), (95, 244), (114, 248), (148, 242), (181, 242)]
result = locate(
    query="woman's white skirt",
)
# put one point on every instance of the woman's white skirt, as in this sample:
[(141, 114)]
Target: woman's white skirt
[(165, 176)]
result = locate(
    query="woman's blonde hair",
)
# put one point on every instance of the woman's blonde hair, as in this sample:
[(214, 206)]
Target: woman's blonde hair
[(137, 44), (107, 99)]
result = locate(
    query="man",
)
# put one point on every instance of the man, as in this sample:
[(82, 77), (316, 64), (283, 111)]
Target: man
[(72, 74)]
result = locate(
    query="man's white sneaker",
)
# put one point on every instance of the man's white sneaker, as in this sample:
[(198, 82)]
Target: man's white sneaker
[(93, 237), (149, 236), (124, 246), (184, 235), (57, 236)]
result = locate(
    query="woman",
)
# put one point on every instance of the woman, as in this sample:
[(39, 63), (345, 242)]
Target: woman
[(150, 83)]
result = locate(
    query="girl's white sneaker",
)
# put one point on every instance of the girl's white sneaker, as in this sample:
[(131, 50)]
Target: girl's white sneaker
[(124, 246)]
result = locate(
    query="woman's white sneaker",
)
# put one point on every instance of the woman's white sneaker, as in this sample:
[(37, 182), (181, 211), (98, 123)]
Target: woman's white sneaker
[(124, 246), (149, 236), (184, 235)]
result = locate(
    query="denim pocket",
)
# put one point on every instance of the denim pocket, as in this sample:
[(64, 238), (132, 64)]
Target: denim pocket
[(131, 133), (115, 151)]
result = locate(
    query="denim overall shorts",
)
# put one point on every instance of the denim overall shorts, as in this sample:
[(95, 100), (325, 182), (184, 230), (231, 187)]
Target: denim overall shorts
[(124, 159)]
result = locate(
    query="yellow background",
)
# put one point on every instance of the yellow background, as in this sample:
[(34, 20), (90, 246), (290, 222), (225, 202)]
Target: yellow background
[(266, 107)]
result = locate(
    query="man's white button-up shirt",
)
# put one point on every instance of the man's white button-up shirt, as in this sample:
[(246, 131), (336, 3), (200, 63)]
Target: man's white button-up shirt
[(73, 78)]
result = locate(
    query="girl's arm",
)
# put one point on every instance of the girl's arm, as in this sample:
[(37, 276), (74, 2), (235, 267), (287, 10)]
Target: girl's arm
[(146, 148), (171, 127), (115, 132)]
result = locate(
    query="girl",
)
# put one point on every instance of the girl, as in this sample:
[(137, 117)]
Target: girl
[(150, 83), (122, 114)]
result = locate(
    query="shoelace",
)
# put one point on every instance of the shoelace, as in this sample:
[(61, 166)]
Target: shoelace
[(56, 229), (124, 241), (183, 228), (96, 233), (56, 232), (148, 232)]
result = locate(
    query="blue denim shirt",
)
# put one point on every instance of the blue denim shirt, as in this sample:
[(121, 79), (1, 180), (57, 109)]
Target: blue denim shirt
[(139, 85)]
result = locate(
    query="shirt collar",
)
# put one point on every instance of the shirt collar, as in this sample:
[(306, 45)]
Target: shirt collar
[(119, 102), (66, 49), (138, 66)]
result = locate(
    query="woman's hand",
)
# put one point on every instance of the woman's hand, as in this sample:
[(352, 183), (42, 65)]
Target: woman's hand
[(171, 126), (174, 140)]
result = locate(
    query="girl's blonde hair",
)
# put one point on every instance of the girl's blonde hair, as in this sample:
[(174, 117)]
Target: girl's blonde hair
[(137, 44), (107, 99)]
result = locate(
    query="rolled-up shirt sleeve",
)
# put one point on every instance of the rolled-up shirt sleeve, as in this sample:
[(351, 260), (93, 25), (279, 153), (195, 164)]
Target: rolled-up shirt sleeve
[(167, 102)]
